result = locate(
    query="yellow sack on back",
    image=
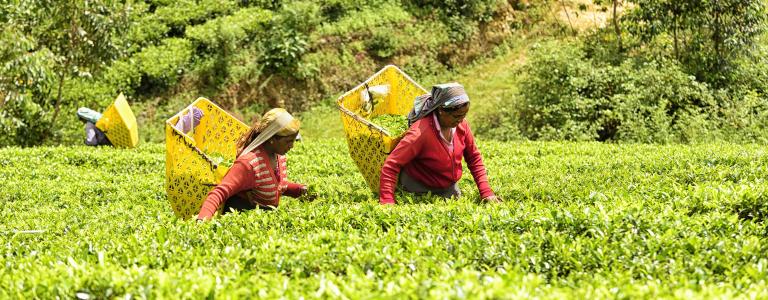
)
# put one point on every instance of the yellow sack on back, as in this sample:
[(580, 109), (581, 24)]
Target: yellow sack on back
[(369, 144), (119, 124), (195, 162)]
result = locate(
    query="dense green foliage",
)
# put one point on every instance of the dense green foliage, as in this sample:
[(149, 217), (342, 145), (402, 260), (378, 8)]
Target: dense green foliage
[(708, 37), (656, 71), (395, 125), (569, 95), (246, 55), (670, 75), (580, 220), (45, 44)]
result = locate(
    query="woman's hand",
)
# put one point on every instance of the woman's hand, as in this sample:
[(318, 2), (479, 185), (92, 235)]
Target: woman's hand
[(491, 199), (306, 194)]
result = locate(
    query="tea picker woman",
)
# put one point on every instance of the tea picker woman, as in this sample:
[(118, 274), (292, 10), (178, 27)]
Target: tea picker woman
[(258, 177), (93, 135), (428, 158)]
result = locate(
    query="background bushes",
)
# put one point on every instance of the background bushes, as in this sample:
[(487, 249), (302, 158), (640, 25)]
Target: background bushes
[(568, 95), (248, 55), (660, 72)]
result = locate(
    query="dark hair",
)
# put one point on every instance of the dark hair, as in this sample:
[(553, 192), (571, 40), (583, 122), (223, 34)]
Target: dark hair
[(454, 108), (248, 136)]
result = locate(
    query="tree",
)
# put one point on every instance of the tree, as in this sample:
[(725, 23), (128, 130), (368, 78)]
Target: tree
[(615, 20), (708, 36), (54, 41)]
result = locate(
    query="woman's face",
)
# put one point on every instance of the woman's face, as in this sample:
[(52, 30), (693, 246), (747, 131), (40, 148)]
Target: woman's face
[(281, 144), (449, 119)]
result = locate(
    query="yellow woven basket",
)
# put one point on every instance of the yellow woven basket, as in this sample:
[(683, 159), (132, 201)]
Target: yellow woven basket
[(119, 124), (368, 143), (190, 168)]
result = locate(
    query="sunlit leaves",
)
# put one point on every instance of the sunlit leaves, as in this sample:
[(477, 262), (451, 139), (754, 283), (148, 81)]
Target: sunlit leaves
[(580, 220)]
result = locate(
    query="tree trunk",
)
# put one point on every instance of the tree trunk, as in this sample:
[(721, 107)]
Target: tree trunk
[(73, 42), (57, 102), (717, 39), (674, 36), (567, 16), (616, 26)]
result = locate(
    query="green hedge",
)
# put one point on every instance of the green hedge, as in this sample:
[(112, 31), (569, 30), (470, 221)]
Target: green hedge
[(184, 12), (233, 29), (163, 65)]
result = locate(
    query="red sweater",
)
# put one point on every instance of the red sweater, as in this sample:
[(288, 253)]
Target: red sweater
[(252, 177), (424, 157)]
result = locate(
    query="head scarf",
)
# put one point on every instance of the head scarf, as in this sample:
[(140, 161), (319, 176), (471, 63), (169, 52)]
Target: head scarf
[(276, 121), (189, 120), (444, 95), (88, 115)]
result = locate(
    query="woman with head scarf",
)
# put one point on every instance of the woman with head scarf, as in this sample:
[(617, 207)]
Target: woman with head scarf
[(428, 158), (258, 177)]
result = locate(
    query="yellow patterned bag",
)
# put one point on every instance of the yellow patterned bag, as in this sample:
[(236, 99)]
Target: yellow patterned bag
[(369, 144), (119, 124), (195, 162)]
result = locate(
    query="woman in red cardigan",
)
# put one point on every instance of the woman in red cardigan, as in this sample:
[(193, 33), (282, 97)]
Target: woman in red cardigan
[(430, 154), (258, 177)]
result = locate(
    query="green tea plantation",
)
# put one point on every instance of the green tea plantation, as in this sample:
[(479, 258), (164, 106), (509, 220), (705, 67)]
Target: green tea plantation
[(579, 221)]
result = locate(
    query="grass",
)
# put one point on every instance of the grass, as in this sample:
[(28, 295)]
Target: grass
[(490, 82)]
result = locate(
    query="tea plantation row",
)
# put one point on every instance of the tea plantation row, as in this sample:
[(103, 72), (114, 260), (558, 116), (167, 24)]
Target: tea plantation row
[(583, 220)]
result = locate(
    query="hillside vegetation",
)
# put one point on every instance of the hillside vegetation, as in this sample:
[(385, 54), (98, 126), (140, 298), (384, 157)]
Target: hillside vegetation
[(245, 55), (618, 71)]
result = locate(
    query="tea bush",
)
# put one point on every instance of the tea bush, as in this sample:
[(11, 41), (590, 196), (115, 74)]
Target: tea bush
[(162, 66), (180, 13), (580, 220), (234, 29)]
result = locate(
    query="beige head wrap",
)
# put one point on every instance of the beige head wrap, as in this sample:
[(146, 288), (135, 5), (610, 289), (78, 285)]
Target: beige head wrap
[(276, 121)]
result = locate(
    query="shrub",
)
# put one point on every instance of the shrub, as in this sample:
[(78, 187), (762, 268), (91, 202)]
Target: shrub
[(26, 79), (23, 122), (286, 39), (500, 124), (569, 96), (233, 30), (461, 16), (268, 4), (185, 12), (364, 20), (124, 76), (560, 101), (283, 50), (382, 44), (476, 10), (744, 117), (146, 29), (162, 65), (658, 102)]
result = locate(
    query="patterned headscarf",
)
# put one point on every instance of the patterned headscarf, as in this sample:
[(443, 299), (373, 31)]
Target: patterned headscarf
[(444, 95)]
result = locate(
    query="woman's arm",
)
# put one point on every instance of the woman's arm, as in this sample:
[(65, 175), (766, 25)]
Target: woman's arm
[(407, 149), (239, 178), (295, 190), (475, 164)]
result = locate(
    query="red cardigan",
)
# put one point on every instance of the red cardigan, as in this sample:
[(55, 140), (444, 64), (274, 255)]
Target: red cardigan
[(252, 177), (424, 157)]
